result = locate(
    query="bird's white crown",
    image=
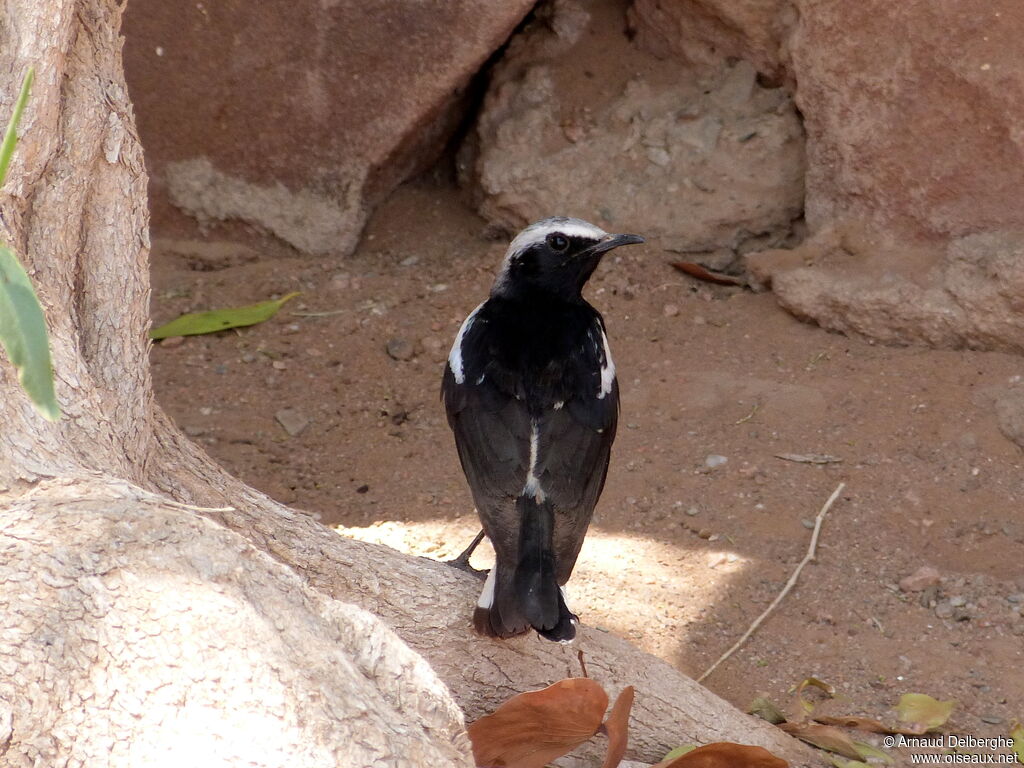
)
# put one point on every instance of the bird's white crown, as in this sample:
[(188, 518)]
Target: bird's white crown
[(539, 230)]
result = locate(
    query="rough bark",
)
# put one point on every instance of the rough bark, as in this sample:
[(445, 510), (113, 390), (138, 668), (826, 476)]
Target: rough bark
[(129, 621)]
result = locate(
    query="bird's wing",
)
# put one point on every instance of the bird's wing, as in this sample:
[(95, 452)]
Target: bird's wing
[(575, 445), (492, 429)]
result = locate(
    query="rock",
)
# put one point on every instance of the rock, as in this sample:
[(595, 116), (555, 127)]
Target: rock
[(399, 348), (706, 31), (937, 257), (292, 421), (713, 461), (943, 609), (171, 342), (1010, 414), (847, 279), (301, 117), (697, 161), (924, 577), (670, 310)]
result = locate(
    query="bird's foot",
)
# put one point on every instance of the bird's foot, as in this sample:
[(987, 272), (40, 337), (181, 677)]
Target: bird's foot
[(462, 563)]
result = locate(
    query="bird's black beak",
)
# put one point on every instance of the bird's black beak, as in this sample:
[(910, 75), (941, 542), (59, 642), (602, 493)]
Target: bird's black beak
[(614, 241)]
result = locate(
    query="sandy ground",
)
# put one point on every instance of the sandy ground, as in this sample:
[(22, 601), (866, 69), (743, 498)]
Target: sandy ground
[(682, 555)]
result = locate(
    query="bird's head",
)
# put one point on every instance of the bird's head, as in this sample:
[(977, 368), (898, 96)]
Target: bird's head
[(555, 256)]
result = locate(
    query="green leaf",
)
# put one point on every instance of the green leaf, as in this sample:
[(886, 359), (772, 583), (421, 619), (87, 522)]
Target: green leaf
[(11, 136), (23, 334), (924, 711), (764, 709), (678, 752), (195, 323), (1017, 734)]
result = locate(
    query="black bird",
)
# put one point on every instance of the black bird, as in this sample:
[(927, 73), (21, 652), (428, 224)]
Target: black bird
[(531, 396)]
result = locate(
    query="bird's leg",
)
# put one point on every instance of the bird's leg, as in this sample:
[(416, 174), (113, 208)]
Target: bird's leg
[(462, 561)]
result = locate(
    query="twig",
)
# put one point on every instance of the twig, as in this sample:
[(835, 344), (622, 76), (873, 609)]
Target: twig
[(749, 416), (583, 664), (785, 590)]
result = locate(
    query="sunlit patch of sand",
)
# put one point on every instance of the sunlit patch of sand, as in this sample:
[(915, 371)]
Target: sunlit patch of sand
[(634, 586)]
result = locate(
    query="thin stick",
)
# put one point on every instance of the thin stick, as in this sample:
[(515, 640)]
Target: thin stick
[(785, 590)]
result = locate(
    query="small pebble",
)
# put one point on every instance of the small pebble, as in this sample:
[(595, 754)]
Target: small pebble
[(400, 349), (670, 310), (279, 365), (808, 524), (705, 533), (292, 421), (943, 609), (958, 601), (248, 357), (991, 719), (693, 511), (714, 460)]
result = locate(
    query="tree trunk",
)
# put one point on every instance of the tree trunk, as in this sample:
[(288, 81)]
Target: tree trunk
[(134, 625)]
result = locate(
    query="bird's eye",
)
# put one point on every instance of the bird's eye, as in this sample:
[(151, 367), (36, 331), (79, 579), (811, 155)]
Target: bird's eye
[(557, 242)]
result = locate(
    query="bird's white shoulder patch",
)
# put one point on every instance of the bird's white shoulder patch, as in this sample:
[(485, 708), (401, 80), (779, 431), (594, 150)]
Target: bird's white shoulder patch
[(455, 356), (608, 369)]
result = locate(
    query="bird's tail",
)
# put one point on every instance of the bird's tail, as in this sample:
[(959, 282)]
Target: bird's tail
[(516, 598)]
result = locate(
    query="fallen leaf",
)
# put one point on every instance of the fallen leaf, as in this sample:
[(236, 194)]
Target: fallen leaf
[(196, 323), (617, 728), (867, 752), (1017, 734), (812, 682), (725, 754), (824, 737), (809, 458), (693, 269), (842, 762), (922, 711), (860, 723), (532, 729), (677, 752), (764, 709)]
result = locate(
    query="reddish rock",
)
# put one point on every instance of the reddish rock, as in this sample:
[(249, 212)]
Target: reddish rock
[(912, 114), (920, 580), (708, 31), (299, 116), (701, 161)]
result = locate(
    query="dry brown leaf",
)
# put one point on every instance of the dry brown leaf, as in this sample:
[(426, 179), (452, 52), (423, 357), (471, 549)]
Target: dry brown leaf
[(703, 273), (532, 729), (617, 728), (860, 723), (725, 754), (823, 736)]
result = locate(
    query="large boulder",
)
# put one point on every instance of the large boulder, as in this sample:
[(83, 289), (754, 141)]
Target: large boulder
[(912, 115), (578, 121), (300, 116)]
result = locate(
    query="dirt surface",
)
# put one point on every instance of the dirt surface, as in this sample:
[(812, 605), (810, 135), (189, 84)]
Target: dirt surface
[(682, 555)]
